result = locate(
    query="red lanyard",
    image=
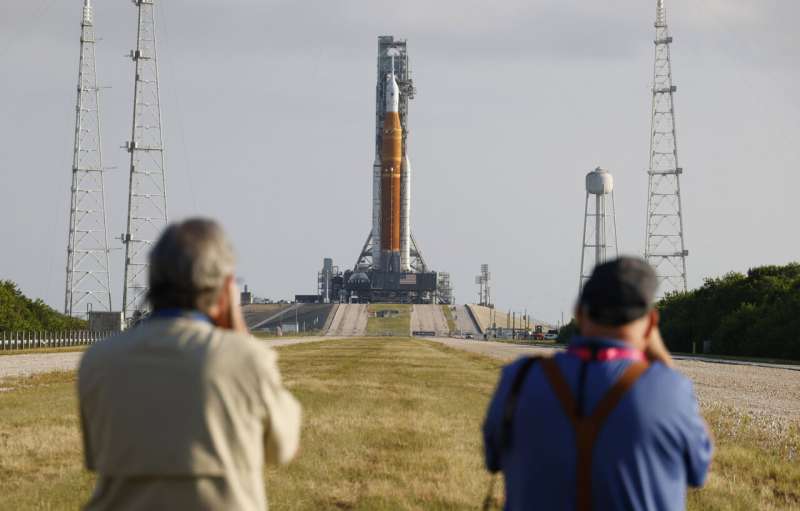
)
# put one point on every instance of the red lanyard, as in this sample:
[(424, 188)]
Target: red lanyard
[(605, 354)]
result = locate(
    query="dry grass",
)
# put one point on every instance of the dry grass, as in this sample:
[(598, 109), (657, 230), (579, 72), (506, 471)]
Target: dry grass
[(399, 325), (391, 424), (756, 464), (40, 450)]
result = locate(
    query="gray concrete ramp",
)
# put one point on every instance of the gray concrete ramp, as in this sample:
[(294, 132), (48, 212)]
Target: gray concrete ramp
[(464, 323), (429, 318), (350, 320)]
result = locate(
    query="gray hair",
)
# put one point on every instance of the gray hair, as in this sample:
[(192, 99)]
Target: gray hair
[(189, 264)]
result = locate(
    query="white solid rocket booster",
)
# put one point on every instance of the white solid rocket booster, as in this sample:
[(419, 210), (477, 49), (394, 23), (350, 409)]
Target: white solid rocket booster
[(376, 212), (405, 215)]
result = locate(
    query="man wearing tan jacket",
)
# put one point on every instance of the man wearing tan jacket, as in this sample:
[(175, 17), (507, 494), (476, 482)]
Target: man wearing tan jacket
[(183, 410)]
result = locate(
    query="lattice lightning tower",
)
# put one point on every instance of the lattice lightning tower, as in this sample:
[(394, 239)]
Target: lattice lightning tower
[(147, 199), (88, 283), (664, 245)]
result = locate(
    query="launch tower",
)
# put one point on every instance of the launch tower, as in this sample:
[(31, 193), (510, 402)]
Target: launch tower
[(88, 282), (147, 199), (390, 266), (664, 245)]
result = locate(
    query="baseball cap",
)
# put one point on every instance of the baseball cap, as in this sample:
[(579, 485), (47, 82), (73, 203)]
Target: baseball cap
[(619, 291)]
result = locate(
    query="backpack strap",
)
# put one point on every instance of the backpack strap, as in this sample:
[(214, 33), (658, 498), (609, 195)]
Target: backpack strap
[(588, 428)]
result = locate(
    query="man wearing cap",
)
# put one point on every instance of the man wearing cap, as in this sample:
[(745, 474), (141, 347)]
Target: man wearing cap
[(608, 424)]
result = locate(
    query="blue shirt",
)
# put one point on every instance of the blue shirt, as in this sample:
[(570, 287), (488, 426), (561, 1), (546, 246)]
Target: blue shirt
[(651, 446)]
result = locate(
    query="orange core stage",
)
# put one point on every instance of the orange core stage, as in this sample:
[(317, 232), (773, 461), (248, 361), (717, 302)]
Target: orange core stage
[(391, 158)]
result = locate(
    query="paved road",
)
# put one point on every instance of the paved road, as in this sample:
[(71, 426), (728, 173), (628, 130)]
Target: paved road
[(464, 321), (768, 393), (429, 318), (34, 363), (350, 320)]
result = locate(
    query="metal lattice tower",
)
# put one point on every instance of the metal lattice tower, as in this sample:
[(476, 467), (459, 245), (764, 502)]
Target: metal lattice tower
[(484, 286), (392, 57), (599, 223), (88, 282), (147, 199), (664, 244)]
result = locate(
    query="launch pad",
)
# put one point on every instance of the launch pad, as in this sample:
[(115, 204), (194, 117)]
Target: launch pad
[(390, 267)]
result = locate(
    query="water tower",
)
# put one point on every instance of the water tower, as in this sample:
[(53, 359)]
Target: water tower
[(599, 223)]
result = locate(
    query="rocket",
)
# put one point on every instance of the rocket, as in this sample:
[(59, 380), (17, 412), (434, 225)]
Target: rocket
[(391, 168), (391, 189)]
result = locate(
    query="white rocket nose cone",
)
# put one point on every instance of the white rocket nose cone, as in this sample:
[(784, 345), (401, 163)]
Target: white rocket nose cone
[(392, 94)]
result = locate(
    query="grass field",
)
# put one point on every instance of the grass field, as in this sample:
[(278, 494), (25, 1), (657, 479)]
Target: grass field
[(399, 325), (390, 424)]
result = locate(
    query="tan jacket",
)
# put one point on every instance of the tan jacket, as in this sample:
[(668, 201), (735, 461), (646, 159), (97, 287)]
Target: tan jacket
[(179, 414)]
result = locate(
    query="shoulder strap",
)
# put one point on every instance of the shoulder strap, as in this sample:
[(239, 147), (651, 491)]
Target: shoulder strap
[(560, 388), (587, 428), (511, 402), (617, 391)]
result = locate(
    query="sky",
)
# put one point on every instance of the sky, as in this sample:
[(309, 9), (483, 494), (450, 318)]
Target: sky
[(268, 109)]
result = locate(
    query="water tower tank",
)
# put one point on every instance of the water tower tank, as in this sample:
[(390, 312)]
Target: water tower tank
[(599, 182)]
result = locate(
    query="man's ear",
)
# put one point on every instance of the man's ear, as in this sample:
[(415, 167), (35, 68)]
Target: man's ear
[(578, 316), (220, 311), (653, 317)]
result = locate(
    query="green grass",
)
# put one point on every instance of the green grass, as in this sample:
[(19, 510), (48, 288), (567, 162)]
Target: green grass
[(389, 424), (399, 325), (37, 351), (305, 333)]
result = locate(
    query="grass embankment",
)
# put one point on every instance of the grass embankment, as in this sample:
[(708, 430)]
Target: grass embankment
[(290, 335), (390, 424), (39, 351), (396, 325), (448, 315)]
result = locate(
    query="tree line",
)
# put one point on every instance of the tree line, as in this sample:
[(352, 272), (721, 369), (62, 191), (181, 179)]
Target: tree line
[(20, 313), (755, 315)]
